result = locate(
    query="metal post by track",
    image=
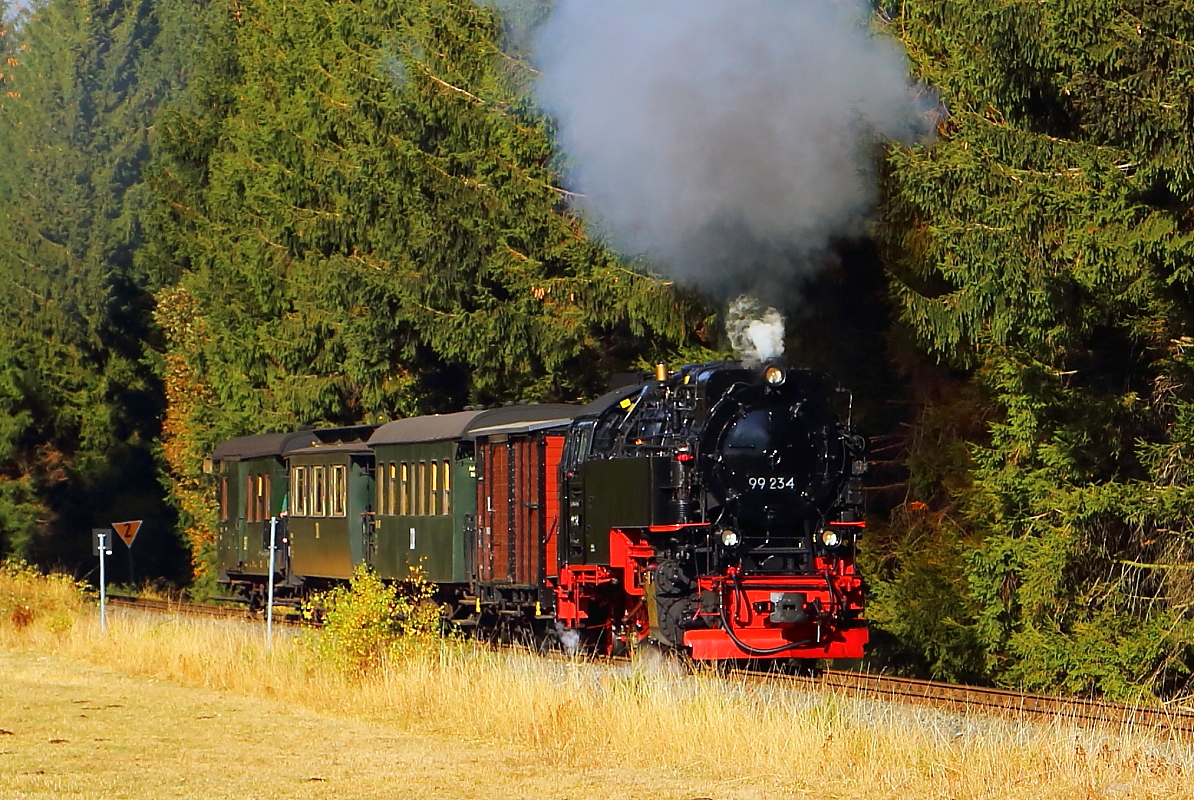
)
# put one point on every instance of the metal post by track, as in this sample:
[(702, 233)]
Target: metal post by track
[(269, 606), (103, 586), (100, 543)]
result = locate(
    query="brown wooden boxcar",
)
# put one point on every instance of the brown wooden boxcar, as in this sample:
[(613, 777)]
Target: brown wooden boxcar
[(515, 547)]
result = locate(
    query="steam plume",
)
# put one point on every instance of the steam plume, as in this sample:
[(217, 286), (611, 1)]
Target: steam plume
[(728, 142), (755, 333)]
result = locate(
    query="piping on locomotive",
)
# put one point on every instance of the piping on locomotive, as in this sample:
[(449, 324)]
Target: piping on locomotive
[(714, 510)]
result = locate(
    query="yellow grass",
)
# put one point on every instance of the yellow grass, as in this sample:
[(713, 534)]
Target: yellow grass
[(651, 717), (29, 598)]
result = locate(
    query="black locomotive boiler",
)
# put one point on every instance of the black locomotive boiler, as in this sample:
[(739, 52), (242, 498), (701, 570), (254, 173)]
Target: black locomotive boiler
[(714, 509)]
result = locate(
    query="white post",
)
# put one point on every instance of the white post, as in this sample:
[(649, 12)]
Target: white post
[(103, 548), (269, 607)]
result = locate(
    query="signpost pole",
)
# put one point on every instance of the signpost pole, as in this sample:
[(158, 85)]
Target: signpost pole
[(103, 548), (269, 607)]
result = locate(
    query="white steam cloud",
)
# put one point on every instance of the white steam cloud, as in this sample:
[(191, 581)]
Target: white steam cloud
[(729, 141), (569, 638), (755, 333)]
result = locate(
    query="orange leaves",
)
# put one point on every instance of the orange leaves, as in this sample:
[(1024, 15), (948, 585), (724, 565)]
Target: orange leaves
[(183, 444)]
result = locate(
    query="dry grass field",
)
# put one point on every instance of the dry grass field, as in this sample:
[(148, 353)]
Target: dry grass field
[(159, 708), (81, 732)]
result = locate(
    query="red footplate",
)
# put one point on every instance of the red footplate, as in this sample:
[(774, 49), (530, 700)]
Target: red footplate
[(782, 616), (715, 645)]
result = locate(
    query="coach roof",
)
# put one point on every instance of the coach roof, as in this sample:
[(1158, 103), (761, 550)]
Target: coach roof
[(457, 426), (264, 444), (434, 428), (324, 449)]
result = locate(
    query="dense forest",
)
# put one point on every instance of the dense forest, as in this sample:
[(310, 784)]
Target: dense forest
[(227, 217)]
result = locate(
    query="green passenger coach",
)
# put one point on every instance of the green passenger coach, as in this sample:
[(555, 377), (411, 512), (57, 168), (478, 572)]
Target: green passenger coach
[(251, 487), (426, 505), (254, 484), (425, 496), (331, 498), (393, 497)]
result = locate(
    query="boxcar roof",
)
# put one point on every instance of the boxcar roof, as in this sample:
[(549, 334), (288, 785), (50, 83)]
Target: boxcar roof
[(519, 427), (514, 415), (263, 444), (459, 425)]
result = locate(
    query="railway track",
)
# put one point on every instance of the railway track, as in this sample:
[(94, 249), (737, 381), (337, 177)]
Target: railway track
[(194, 610), (1003, 702), (946, 696)]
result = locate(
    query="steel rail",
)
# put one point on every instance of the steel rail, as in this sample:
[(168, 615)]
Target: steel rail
[(195, 610), (989, 700)]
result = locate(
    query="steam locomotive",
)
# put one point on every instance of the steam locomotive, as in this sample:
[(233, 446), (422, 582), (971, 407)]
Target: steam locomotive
[(714, 510)]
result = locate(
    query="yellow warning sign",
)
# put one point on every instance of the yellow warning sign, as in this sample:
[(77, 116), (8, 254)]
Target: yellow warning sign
[(127, 530)]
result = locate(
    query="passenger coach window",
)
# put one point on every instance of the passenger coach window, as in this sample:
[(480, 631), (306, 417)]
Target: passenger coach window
[(385, 485), (433, 495), (381, 488), (256, 498), (223, 497), (395, 488), (412, 490), (319, 492), (447, 507), (298, 491), (339, 491), (424, 488), (263, 496), (394, 493), (404, 494)]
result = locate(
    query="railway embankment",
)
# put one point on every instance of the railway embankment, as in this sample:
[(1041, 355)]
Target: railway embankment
[(646, 726)]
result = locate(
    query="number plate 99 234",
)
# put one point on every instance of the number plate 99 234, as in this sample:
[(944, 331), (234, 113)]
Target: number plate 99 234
[(773, 482)]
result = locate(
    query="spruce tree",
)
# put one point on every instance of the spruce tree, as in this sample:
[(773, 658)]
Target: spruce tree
[(1042, 249), (82, 84), (360, 204)]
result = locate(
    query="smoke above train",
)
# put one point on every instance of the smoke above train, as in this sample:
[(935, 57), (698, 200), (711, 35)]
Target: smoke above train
[(727, 143)]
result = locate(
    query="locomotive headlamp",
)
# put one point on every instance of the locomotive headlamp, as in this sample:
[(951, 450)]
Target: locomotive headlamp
[(730, 538), (774, 376), (829, 538)]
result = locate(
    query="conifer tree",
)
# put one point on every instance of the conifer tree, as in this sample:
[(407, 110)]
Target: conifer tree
[(18, 511), (362, 209), (358, 201), (76, 450), (1042, 246)]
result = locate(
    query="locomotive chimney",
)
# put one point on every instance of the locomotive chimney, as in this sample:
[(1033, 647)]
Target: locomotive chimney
[(661, 372)]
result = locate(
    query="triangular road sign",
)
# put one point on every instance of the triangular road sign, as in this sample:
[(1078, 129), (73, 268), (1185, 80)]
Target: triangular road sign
[(127, 530)]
